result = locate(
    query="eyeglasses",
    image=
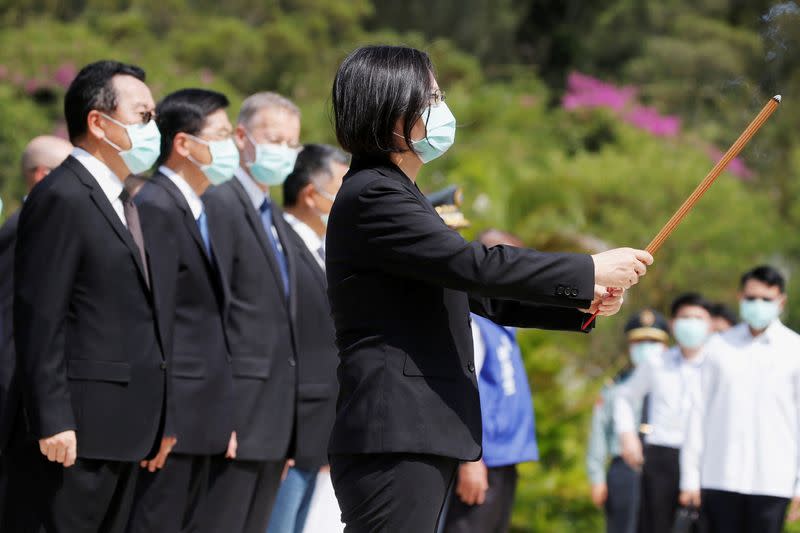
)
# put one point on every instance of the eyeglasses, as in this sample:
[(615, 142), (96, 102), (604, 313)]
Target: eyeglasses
[(147, 116), (437, 97), (274, 140)]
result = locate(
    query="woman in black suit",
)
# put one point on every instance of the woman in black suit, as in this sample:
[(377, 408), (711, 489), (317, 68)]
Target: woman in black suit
[(401, 287)]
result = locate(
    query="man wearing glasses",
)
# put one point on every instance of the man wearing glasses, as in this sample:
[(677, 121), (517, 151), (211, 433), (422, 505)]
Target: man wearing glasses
[(743, 441), (90, 361), (259, 259), (197, 150)]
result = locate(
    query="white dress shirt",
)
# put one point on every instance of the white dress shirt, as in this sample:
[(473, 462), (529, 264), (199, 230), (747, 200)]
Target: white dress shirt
[(743, 430), (194, 201), (312, 241), (670, 379), (254, 192), (109, 182)]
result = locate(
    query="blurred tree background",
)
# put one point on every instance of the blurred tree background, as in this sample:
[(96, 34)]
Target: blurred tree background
[(583, 125)]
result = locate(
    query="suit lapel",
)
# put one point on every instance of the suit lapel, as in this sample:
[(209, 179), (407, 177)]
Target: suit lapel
[(188, 217), (104, 205), (254, 219)]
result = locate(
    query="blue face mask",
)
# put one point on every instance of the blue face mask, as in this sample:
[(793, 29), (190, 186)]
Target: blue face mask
[(690, 333), (440, 128), (644, 350), (145, 147), (273, 162), (224, 160), (759, 314)]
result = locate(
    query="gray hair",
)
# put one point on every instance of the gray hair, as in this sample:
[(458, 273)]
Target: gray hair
[(264, 100)]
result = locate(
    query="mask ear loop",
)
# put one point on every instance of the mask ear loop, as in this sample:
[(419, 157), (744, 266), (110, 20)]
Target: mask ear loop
[(191, 158), (121, 125)]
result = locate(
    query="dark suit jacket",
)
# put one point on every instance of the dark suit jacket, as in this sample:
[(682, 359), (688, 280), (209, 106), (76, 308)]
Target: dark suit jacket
[(88, 353), (8, 390), (401, 285), (316, 359), (259, 322), (190, 302)]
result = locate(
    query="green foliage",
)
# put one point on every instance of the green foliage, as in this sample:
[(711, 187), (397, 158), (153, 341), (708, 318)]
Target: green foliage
[(579, 181)]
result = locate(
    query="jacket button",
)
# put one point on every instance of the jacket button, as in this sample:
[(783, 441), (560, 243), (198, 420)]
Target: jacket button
[(163, 365), (471, 367), (560, 290), (574, 292), (292, 362)]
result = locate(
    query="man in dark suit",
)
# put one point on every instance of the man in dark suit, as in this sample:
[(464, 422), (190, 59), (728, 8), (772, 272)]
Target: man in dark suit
[(89, 354), (41, 155), (308, 195), (196, 147), (260, 259)]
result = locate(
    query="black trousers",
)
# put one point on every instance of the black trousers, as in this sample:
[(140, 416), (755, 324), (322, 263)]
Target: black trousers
[(732, 512), (389, 493), (44, 497), (660, 489), (241, 495), (622, 505), (173, 499), (494, 515)]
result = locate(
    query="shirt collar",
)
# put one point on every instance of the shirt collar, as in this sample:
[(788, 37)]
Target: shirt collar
[(194, 201), (309, 236), (254, 192), (108, 181)]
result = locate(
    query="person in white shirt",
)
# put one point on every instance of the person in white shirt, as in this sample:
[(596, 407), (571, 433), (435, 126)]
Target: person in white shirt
[(743, 439), (667, 380), (308, 195)]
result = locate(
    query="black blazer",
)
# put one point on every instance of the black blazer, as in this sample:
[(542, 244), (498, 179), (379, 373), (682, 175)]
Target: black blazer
[(316, 359), (8, 391), (88, 352), (401, 286), (258, 322), (190, 302)]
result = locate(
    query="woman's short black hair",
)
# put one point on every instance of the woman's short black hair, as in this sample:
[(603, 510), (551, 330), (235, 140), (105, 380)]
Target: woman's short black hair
[(374, 87), (185, 111), (770, 276), (92, 90), (692, 299)]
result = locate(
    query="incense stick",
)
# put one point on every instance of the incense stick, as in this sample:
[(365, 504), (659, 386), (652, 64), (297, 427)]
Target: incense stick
[(704, 185)]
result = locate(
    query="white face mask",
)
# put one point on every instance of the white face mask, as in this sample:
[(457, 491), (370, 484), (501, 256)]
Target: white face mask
[(272, 163), (145, 147), (645, 350)]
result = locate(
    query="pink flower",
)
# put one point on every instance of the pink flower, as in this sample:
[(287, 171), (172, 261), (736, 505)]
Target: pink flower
[(65, 74)]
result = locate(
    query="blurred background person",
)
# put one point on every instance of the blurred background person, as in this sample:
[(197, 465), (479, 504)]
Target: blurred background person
[(259, 255), (308, 194), (742, 449), (723, 317), (40, 156), (668, 380), (616, 489), (197, 150), (483, 491)]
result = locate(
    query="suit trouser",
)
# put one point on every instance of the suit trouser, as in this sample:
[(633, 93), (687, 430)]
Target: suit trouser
[(44, 497), (660, 489), (241, 495), (171, 500), (622, 504), (732, 512), (391, 492), (494, 514)]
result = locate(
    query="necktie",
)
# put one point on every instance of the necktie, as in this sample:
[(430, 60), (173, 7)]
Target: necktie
[(132, 218), (202, 224), (269, 228)]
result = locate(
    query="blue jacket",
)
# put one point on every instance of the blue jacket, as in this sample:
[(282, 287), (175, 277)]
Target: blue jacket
[(509, 435)]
